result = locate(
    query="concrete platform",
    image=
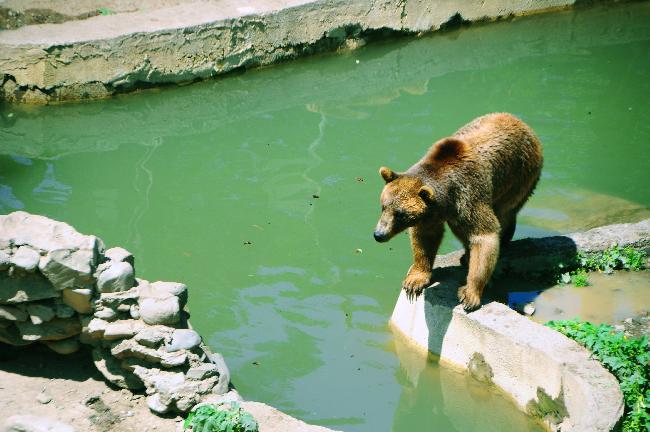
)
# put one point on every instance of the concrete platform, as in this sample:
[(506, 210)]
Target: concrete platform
[(183, 41), (546, 374)]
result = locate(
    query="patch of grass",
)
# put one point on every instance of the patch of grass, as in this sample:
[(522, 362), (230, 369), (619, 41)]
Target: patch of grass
[(105, 11), (613, 258), (628, 359), (220, 418)]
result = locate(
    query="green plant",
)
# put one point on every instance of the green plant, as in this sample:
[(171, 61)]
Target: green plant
[(579, 278), (612, 258), (220, 418), (105, 11), (626, 358)]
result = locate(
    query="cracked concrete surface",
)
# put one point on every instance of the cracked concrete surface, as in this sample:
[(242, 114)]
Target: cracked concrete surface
[(183, 41)]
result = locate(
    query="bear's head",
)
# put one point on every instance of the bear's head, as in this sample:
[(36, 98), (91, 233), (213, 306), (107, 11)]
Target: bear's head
[(405, 200)]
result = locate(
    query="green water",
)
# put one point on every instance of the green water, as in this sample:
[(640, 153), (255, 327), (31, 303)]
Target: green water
[(215, 185)]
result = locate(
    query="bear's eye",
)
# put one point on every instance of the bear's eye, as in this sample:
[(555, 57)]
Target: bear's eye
[(400, 214)]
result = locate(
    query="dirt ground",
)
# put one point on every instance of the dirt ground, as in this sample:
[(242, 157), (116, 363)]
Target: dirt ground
[(77, 395)]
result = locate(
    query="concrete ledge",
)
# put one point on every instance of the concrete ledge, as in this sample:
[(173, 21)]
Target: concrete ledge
[(547, 375), (103, 55)]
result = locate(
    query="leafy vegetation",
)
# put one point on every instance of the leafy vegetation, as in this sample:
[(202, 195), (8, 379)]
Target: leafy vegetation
[(221, 418), (613, 258), (105, 11), (627, 358)]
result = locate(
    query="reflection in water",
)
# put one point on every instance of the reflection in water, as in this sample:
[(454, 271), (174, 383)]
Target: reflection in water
[(51, 191), (8, 202), (143, 191)]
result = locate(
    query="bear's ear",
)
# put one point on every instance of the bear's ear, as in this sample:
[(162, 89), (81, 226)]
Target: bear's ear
[(426, 193), (448, 149), (387, 174)]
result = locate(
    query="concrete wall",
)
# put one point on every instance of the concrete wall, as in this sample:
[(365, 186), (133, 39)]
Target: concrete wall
[(547, 374), (102, 55)]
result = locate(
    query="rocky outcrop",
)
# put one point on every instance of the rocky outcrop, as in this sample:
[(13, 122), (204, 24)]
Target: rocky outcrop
[(63, 289), (103, 55)]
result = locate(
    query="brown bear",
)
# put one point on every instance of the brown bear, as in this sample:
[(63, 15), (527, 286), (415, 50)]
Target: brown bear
[(475, 180)]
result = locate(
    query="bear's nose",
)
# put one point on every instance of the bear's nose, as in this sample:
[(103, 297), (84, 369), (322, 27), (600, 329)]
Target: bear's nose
[(379, 236)]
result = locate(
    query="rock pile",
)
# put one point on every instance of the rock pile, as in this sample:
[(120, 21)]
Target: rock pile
[(63, 289)]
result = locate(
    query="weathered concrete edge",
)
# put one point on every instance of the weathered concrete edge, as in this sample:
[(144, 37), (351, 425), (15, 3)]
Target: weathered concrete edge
[(38, 65), (526, 360)]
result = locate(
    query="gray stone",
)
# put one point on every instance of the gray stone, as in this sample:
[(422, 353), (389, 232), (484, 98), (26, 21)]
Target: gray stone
[(64, 346), (184, 339), (79, 299), (113, 372), (26, 258), (11, 336), (24, 288), (39, 313), (119, 276), (56, 329), (69, 268), (155, 404), (106, 314), (118, 254), (163, 290), (44, 398), (122, 329), (32, 423), (12, 313), (160, 310), (62, 310), (153, 336), (134, 311), (176, 359), (202, 371)]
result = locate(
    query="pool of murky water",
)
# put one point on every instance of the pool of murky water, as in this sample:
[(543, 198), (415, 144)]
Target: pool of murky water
[(260, 191)]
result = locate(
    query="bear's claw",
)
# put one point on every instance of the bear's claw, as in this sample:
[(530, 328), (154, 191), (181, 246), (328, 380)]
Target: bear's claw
[(415, 283), (470, 299)]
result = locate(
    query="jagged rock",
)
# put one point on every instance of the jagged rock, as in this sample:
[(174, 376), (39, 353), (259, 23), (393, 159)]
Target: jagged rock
[(163, 290), (129, 348), (32, 423), (26, 258), (152, 337), (62, 310), (79, 299), (114, 300), (64, 346), (39, 313), (24, 288), (106, 314), (184, 339), (154, 403), (122, 329), (113, 372), (204, 370), (5, 260), (96, 328), (119, 254), (119, 276), (160, 310), (12, 313), (56, 329), (69, 268)]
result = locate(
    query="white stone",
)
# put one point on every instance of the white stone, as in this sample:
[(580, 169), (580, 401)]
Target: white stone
[(160, 311), (32, 423), (12, 313), (119, 254), (119, 276), (64, 346), (39, 313), (184, 339), (26, 258)]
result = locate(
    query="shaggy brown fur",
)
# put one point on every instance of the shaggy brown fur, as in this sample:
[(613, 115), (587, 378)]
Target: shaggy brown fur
[(476, 181)]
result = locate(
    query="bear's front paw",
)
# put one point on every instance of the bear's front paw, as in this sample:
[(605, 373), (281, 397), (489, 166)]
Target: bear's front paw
[(470, 298), (415, 282)]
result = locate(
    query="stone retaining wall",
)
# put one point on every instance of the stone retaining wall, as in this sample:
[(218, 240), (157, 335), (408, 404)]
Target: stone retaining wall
[(547, 374), (103, 55), (62, 289)]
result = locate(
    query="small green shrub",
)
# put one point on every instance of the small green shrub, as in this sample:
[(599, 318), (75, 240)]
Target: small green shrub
[(612, 258), (626, 358), (222, 418), (579, 278), (105, 11)]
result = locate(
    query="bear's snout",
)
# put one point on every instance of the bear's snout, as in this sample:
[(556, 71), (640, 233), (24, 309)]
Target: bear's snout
[(380, 236)]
